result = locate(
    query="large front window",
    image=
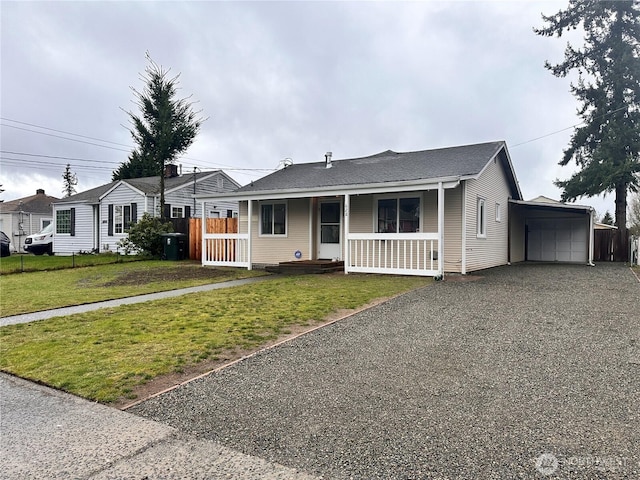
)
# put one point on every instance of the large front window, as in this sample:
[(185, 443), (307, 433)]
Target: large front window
[(121, 218), (273, 219), (399, 215)]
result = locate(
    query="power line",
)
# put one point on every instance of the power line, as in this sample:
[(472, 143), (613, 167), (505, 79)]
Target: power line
[(62, 131), (568, 128), (57, 157), (26, 164), (65, 138)]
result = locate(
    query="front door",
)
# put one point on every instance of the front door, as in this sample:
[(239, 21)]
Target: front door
[(330, 230)]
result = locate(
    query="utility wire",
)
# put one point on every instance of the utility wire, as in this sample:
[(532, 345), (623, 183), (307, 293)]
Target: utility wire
[(65, 138), (62, 131), (568, 128)]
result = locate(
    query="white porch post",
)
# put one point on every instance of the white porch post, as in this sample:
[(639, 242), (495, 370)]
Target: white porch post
[(440, 230), (203, 245), (591, 235), (249, 231), (347, 203)]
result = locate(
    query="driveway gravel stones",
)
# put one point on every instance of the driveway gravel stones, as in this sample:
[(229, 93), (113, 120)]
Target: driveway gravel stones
[(532, 371)]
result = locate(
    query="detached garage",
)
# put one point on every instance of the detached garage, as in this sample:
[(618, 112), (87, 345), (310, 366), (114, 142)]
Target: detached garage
[(543, 230)]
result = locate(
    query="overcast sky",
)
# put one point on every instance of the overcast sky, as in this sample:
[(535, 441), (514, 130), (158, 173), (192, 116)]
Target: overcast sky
[(282, 79)]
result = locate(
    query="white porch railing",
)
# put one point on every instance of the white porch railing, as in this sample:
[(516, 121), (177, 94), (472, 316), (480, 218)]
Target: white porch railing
[(225, 249), (393, 253)]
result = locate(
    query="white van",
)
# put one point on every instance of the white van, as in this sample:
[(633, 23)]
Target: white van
[(41, 242)]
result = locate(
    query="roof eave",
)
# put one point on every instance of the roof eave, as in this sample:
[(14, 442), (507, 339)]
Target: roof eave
[(385, 187)]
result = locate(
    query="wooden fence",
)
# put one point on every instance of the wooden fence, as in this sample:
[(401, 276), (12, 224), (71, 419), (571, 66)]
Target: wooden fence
[(603, 243), (214, 225)]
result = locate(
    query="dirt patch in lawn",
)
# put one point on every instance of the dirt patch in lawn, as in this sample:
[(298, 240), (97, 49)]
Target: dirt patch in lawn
[(188, 272), (168, 382)]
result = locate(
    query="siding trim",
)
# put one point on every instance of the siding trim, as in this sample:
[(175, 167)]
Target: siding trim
[(463, 268)]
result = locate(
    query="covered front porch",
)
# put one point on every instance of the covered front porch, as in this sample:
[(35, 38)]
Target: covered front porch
[(386, 230)]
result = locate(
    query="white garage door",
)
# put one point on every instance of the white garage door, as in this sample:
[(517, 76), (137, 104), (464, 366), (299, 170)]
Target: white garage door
[(557, 240)]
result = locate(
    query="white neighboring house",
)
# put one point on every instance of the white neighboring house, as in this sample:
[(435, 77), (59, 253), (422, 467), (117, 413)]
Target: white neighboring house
[(96, 220)]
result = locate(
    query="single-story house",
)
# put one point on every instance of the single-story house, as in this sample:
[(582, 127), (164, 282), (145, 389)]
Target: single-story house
[(457, 209), (97, 219), (26, 216)]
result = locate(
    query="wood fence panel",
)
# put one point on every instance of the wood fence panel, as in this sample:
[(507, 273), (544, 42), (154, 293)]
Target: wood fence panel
[(214, 225)]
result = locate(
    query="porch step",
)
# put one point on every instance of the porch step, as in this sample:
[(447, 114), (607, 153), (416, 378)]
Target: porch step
[(306, 266)]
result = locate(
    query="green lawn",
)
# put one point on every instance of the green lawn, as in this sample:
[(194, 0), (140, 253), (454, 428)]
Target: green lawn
[(34, 291), (105, 354), (31, 263)]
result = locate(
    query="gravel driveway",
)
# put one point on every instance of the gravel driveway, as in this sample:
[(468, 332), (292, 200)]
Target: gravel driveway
[(532, 370)]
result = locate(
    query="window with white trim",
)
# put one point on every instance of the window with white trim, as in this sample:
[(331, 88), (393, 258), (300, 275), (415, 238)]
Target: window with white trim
[(273, 219), (177, 212), (481, 214), (121, 218), (63, 221), (398, 215), (498, 212)]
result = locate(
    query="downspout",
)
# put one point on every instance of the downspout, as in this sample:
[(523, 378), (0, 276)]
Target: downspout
[(194, 192), (463, 269), (440, 231), (249, 231), (203, 227), (591, 213), (312, 222), (347, 249)]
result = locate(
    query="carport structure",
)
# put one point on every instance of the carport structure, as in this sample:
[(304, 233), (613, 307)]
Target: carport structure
[(544, 230)]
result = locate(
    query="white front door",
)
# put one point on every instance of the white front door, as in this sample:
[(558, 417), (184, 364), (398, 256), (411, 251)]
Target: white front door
[(330, 230)]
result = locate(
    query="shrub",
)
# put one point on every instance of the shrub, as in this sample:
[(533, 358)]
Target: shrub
[(145, 236)]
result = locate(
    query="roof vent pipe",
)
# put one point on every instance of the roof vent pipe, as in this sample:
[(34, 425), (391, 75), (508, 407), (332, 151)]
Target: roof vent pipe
[(327, 159)]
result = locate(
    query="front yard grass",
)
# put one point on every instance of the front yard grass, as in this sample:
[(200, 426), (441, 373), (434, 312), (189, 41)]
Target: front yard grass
[(35, 291), (104, 355), (24, 262)]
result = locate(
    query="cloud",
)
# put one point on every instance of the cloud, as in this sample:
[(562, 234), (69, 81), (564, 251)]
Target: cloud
[(283, 79)]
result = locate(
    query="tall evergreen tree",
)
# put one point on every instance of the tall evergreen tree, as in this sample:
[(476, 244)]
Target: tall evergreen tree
[(606, 147), (69, 181), (166, 127)]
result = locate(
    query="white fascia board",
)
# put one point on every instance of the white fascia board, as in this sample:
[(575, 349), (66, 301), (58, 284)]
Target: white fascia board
[(391, 187), (586, 208), (509, 165), (122, 182)]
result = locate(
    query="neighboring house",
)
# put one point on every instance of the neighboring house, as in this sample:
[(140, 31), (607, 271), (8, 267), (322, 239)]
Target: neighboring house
[(414, 213), (25, 216), (96, 220)]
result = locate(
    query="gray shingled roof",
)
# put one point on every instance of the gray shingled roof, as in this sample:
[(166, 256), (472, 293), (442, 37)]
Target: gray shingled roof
[(389, 166), (40, 203), (147, 185)]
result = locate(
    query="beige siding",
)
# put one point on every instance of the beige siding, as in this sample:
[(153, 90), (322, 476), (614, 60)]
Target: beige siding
[(452, 229), (492, 250), (277, 248), (361, 217)]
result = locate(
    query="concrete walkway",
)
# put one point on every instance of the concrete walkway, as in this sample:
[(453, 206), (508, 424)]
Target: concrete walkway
[(48, 434), (60, 312)]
